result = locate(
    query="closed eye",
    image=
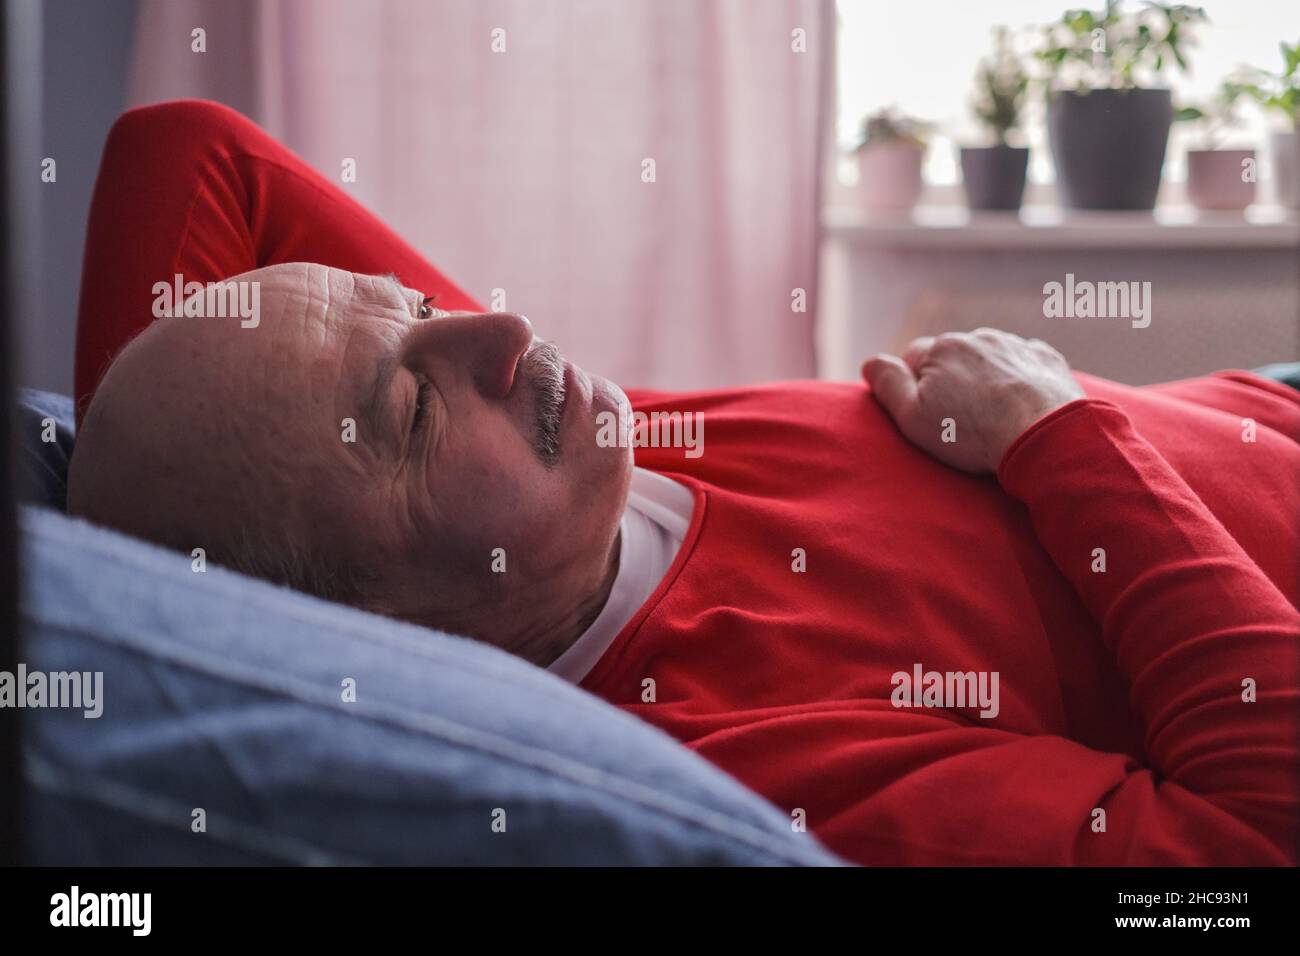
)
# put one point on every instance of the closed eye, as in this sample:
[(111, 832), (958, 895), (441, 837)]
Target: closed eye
[(423, 400)]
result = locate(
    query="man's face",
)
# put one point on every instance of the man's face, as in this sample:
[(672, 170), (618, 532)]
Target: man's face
[(454, 453)]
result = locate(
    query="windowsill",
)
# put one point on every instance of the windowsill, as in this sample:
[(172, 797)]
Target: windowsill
[(1174, 226)]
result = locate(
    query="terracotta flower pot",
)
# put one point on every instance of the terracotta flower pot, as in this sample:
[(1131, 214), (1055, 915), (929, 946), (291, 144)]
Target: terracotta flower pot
[(1216, 178), (890, 177), (994, 176)]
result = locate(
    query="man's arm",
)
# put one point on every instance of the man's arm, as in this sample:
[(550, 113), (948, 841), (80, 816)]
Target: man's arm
[(1210, 647)]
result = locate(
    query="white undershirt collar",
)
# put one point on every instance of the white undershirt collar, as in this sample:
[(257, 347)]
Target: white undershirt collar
[(653, 527)]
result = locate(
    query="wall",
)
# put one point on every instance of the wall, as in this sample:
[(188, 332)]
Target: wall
[(86, 48), (1236, 306)]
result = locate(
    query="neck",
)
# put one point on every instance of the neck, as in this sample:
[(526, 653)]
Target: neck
[(543, 648)]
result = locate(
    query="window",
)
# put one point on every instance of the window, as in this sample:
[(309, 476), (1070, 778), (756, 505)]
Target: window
[(921, 57)]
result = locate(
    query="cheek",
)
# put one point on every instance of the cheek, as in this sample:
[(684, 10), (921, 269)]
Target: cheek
[(490, 490), (493, 492)]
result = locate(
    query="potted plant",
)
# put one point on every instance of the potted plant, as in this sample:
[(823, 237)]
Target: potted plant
[(1280, 93), (1219, 179), (890, 151), (1108, 134), (994, 176)]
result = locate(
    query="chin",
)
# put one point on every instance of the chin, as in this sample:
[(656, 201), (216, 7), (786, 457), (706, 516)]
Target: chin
[(606, 396), (611, 466)]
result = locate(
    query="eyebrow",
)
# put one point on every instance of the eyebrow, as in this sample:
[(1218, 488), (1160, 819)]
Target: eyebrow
[(398, 288)]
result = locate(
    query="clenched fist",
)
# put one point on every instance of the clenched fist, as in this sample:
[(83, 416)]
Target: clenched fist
[(980, 390)]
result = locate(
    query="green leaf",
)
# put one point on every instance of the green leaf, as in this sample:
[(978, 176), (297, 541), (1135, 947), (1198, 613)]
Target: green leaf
[(1291, 57)]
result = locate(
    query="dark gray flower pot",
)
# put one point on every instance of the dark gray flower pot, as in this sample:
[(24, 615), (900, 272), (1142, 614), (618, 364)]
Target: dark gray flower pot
[(994, 176), (1109, 146)]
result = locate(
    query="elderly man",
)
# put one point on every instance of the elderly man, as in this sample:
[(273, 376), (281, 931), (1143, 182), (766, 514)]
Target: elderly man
[(981, 610)]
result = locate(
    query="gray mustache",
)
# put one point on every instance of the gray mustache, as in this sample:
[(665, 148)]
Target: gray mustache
[(544, 368)]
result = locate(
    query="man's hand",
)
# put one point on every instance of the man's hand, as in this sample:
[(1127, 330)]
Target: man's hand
[(992, 385)]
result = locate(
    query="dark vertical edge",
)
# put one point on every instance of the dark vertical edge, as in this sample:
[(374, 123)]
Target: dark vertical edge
[(9, 750), (19, 103)]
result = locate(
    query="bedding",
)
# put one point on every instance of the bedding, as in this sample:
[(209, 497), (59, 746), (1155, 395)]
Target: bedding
[(225, 736)]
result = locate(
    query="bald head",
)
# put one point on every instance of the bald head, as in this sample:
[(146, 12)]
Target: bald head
[(353, 434), (183, 443)]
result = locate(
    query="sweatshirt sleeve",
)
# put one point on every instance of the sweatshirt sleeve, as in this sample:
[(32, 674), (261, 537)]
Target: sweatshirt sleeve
[(1209, 646)]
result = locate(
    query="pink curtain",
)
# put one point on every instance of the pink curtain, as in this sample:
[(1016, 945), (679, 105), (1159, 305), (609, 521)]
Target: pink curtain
[(520, 172)]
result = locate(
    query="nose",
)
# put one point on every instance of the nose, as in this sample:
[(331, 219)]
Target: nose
[(487, 345)]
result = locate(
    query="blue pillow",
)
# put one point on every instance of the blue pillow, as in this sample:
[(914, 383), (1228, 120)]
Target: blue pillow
[(1288, 373), (243, 723), (45, 426)]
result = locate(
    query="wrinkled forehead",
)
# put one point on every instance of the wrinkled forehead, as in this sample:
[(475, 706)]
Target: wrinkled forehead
[(321, 333), (324, 333), (323, 299)]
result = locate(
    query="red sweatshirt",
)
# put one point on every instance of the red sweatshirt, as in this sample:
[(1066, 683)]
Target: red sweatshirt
[(1148, 713)]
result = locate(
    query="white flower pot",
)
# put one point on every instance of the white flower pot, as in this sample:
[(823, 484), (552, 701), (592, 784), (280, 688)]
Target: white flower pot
[(1220, 178), (1286, 169), (890, 177)]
